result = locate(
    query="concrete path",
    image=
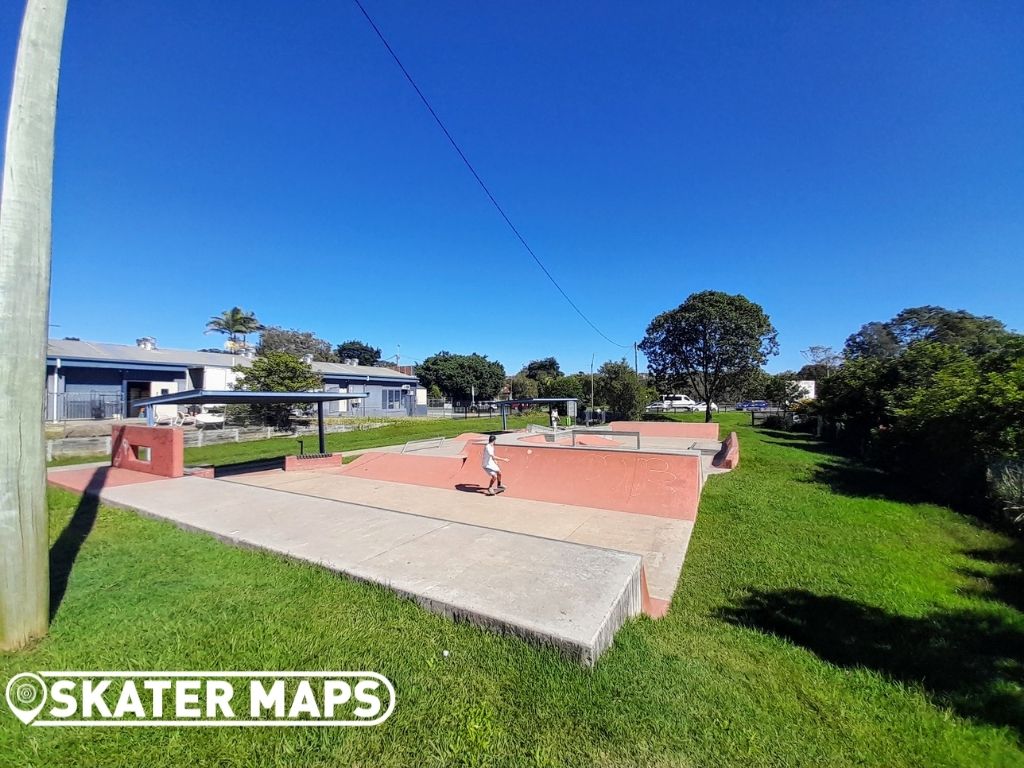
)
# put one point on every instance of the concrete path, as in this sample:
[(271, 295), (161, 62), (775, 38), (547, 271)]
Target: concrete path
[(660, 541), (558, 593)]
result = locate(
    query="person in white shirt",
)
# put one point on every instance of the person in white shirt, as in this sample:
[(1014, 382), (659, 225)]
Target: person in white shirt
[(554, 418), (490, 464)]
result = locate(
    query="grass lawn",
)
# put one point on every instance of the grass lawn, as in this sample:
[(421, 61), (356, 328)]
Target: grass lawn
[(821, 619)]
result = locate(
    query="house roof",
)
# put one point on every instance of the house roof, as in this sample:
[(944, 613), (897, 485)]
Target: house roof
[(73, 349)]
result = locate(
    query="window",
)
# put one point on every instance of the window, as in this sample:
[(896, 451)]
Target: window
[(391, 399)]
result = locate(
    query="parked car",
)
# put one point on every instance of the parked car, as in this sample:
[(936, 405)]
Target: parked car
[(701, 407), (753, 405), (673, 403)]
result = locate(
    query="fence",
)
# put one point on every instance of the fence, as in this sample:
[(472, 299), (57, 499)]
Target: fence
[(77, 406), (100, 446)]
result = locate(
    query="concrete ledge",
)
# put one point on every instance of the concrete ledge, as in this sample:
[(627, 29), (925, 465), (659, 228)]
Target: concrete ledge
[(300, 463), (729, 456)]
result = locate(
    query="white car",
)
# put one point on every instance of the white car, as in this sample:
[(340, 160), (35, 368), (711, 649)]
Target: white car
[(701, 407), (673, 403)]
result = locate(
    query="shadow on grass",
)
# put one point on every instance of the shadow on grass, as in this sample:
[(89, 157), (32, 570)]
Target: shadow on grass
[(64, 551), (802, 440), (970, 661), (848, 477), (1006, 585)]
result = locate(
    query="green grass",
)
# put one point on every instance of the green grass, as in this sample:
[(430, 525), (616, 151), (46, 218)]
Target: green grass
[(820, 620)]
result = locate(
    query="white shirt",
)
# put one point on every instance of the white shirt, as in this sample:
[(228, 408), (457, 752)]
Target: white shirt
[(489, 461)]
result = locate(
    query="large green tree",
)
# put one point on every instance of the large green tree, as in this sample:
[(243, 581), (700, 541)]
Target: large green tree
[(297, 343), (618, 388), (563, 386), (707, 341), (25, 241), (545, 368), (459, 376), (975, 334), (357, 350), (277, 372), (235, 323)]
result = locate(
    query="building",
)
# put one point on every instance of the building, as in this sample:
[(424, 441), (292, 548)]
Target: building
[(93, 380)]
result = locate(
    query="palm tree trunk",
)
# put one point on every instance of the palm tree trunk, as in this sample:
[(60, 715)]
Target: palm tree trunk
[(25, 232)]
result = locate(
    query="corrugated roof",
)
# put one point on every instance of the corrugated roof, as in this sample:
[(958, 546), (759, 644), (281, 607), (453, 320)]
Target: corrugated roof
[(132, 353), (361, 370)]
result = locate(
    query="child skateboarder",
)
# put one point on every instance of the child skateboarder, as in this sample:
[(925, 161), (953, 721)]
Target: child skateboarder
[(490, 464)]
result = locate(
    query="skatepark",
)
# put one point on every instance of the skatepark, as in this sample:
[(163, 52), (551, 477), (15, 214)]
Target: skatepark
[(592, 529)]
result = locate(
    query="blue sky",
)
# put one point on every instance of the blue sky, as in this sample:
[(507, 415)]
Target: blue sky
[(835, 162)]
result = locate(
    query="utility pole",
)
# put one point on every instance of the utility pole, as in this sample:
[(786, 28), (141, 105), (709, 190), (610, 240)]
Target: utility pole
[(636, 360), (591, 384)]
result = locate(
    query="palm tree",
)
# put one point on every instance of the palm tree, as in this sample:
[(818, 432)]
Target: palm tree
[(25, 241), (234, 322)]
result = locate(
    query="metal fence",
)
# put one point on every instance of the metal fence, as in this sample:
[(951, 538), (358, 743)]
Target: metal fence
[(73, 406)]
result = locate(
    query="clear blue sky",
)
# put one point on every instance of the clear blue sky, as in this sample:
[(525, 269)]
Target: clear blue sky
[(833, 162)]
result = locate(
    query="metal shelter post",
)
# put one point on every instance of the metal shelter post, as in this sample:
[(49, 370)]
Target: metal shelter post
[(320, 426)]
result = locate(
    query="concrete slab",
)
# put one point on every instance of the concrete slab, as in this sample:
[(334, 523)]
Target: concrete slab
[(660, 541), (558, 593)]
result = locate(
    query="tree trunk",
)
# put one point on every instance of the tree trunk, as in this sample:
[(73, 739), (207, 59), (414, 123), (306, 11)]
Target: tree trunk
[(25, 219)]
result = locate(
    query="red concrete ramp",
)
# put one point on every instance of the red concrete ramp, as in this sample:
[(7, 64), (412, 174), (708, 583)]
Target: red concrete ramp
[(591, 440), (693, 430), (436, 471), (664, 485)]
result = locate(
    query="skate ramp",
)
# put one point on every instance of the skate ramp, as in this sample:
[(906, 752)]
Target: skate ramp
[(595, 441), (681, 429), (664, 485)]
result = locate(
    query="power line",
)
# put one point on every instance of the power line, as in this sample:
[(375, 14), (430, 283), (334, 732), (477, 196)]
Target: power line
[(480, 181)]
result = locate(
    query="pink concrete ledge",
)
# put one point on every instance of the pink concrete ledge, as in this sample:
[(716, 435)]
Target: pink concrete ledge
[(300, 463), (729, 456)]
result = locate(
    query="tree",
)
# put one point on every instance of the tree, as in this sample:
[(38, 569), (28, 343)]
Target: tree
[(546, 368), (782, 391), (25, 241), (277, 372), (873, 340), (709, 340), (459, 376), (974, 334), (619, 389), (821, 362), (523, 387), (297, 343), (364, 353), (563, 386), (236, 323)]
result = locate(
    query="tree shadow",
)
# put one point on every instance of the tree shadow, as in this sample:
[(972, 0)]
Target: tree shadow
[(802, 440), (848, 477), (64, 551), (1006, 585), (969, 661)]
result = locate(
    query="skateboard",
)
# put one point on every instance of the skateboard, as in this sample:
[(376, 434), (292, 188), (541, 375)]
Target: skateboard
[(495, 491)]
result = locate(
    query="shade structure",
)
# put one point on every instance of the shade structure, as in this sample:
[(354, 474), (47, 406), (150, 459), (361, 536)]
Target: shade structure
[(243, 397)]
